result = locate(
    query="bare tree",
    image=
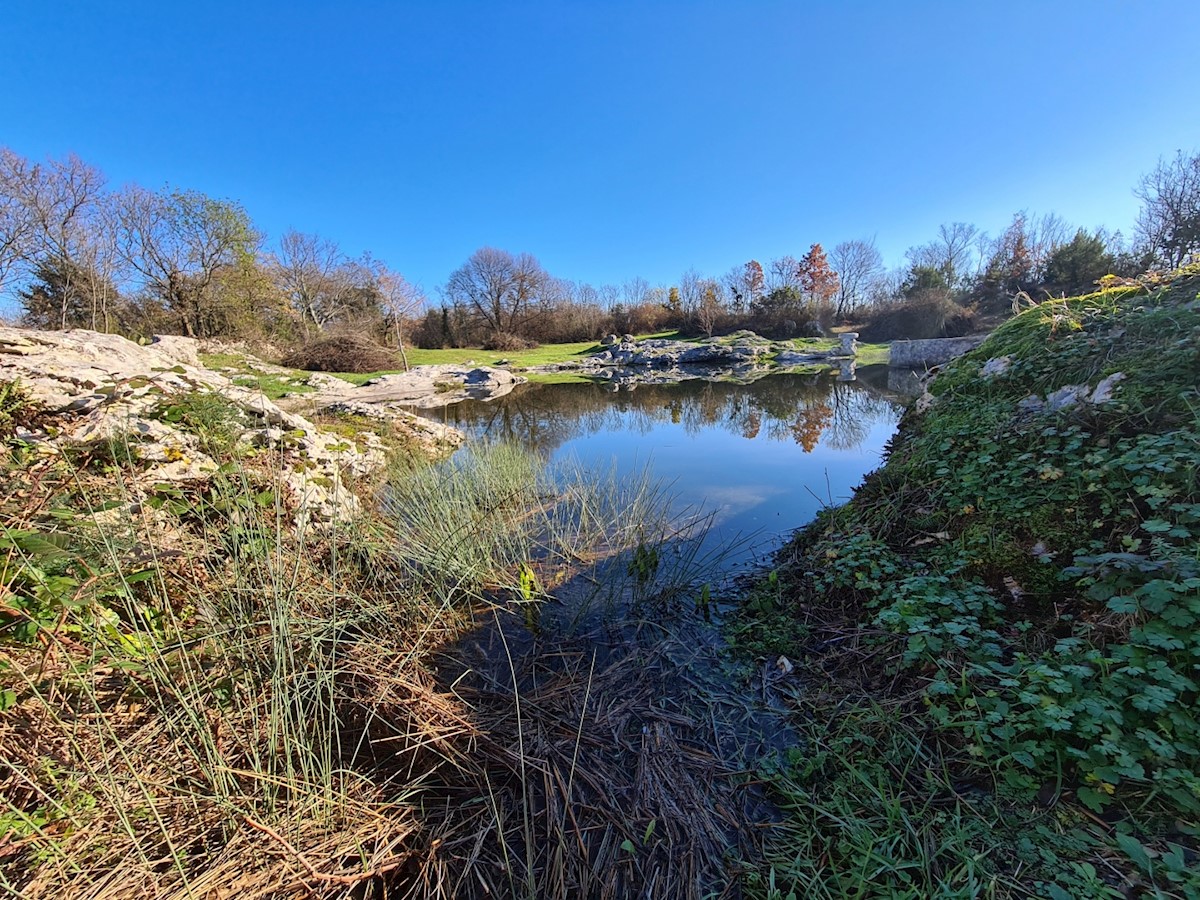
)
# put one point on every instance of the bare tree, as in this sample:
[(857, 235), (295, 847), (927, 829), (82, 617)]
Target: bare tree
[(587, 294), (400, 300), (323, 285), (889, 287), (1046, 233), (312, 272), (16, 220), (690, 291), (952, 253), (783, 273), (859, 265), (80, 290), (178, 241), (1168, 226), (501, 291), (634, 291), (52, 209), (101, 263)]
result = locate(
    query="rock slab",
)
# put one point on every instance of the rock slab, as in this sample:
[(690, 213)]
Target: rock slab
[(99, 387)]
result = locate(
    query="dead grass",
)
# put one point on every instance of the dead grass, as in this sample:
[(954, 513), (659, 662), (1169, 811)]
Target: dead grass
[(229, 707), (600, 779)]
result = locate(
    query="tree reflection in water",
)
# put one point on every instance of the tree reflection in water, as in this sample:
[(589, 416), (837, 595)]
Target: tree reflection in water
[(761, 457), (807, 409)]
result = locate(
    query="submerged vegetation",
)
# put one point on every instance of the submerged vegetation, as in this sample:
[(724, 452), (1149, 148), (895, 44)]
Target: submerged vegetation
[(1000, 629)]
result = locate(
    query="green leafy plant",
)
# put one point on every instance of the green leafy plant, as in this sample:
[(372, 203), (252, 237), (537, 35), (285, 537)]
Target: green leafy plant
[(17, 407), (1027, 558), (205, 414)]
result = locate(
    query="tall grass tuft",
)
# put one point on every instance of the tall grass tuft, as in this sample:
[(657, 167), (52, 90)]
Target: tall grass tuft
[(202, 698), (492, 516), (214, 718)]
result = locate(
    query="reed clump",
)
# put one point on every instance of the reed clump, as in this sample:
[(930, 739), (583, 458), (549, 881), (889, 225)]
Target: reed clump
[(199, 697)]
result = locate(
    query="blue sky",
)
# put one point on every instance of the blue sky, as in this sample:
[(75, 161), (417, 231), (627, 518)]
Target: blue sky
[(612, 139)]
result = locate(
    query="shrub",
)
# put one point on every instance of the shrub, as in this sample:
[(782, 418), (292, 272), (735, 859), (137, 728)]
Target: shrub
[(505, 342), (568, 322), (341, 353), (927, 314)]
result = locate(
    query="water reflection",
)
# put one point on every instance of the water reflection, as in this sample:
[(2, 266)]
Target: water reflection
[(763, 456)]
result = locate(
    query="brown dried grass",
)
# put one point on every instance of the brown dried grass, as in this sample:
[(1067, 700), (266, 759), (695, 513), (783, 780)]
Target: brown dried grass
[(341, 353), (296, 730), (577, 758)]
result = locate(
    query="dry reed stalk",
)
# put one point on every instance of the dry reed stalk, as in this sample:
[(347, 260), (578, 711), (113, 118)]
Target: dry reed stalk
[(598, 756)]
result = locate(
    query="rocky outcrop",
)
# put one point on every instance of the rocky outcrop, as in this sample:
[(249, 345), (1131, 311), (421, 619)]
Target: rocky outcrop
[(657, 353), (931, 352), (168, 409), (742, 356), (425, 387)]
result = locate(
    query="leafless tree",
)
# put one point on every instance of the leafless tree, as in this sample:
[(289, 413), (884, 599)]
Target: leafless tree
[(313, 272), (690, 291), (951, 253), (889, 287), (54, 210), (100, 265), (859, 265), (783, 273), (16, 219), (400, 301), (1046, 233), (634, 291), (587, 294), (1168, 226), (500, 290)]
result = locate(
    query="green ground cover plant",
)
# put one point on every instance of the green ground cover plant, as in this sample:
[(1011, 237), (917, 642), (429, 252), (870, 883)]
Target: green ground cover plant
[(1023, 577)]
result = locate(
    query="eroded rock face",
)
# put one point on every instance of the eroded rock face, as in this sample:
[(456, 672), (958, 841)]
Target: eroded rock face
[(741, 356), (102, 387), (659, 353), (424, 387)]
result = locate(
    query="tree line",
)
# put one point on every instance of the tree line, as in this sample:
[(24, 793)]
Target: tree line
[(76, 254)]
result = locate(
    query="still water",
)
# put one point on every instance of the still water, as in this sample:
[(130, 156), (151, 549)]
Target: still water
[(760, 458)]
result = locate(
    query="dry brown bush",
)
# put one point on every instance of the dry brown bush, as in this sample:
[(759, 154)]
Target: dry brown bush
[(505, 342), (928, 314), (341, 353)]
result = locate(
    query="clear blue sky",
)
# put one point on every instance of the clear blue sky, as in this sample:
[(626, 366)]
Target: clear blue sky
[(612, 139)]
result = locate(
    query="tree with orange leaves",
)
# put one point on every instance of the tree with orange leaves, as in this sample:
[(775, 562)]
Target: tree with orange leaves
[(818, 281)]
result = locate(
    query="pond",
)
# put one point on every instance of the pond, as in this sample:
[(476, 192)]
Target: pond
[(760, 458), (641, 717)]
